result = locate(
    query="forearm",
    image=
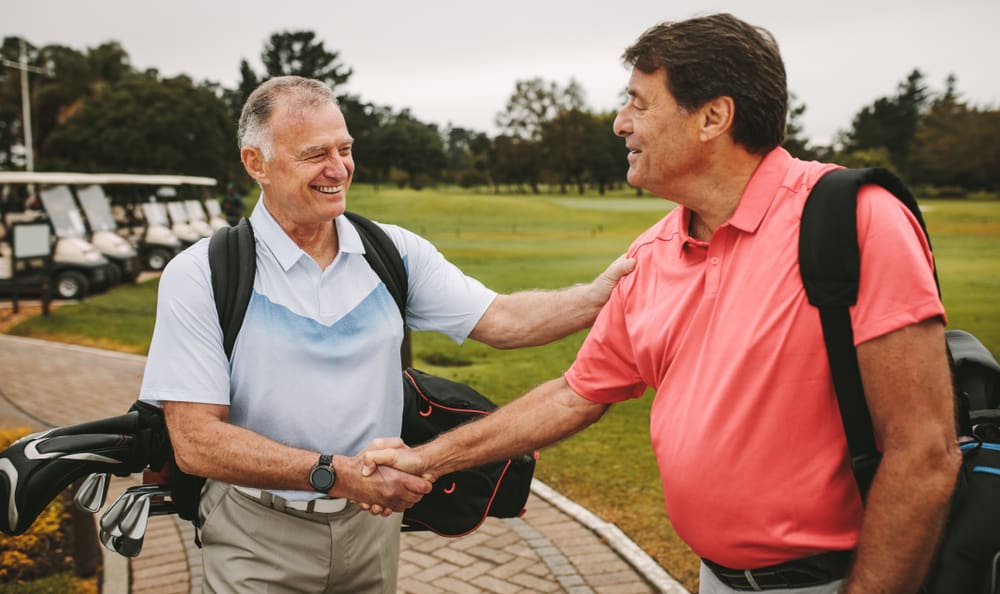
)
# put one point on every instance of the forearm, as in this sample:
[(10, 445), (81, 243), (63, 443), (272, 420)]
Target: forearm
[(532, 318), (543, 416), (908, 388), (903, 523), (205, 444), (208, 446)]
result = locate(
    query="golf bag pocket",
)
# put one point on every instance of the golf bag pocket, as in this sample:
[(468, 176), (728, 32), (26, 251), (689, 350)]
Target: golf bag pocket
[(460, 501)]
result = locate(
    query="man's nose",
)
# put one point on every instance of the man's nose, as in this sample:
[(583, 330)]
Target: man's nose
[(336, 167), (622, 125)]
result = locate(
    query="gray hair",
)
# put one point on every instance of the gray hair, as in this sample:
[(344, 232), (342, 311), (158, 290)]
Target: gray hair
[(303, 93)]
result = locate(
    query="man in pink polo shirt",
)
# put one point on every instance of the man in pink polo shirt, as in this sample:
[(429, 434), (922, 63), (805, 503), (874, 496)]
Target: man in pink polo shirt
[(745, 425)]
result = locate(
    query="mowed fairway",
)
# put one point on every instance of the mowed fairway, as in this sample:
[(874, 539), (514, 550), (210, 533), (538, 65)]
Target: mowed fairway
[(523, 242)]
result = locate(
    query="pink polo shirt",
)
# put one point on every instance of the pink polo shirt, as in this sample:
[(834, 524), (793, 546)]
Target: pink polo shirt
[(745, 423)]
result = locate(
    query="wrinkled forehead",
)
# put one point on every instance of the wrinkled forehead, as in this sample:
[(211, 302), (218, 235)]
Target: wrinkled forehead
[(301, 126)]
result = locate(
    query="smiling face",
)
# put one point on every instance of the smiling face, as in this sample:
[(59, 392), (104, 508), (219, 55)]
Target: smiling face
[(661, 136), (306, 180)]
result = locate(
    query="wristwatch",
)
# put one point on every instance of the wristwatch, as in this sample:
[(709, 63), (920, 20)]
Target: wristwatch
[(322, 477)]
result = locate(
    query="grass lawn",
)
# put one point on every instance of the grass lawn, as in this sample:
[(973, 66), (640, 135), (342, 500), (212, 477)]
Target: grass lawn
[(518, 242)]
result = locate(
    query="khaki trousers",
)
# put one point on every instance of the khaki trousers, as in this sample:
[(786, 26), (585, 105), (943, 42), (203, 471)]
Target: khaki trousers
[(248, 547)]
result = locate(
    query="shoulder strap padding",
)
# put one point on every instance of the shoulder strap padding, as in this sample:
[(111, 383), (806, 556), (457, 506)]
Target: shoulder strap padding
[(383, 257), (232, 257), (829, 258)]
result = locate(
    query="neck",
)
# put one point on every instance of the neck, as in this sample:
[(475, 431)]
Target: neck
[(716, 193), (319, 240)]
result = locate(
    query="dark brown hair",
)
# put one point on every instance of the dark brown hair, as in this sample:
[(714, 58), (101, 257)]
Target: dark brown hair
[(717, 56)]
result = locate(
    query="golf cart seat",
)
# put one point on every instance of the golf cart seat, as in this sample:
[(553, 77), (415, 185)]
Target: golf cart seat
[(36, 468)]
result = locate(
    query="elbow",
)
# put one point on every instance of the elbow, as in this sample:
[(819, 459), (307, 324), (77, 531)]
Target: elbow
[(938, 463), (186, 456)]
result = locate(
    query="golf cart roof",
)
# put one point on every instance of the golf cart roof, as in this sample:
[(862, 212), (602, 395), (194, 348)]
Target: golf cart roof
[(46, 177), (59, 177)]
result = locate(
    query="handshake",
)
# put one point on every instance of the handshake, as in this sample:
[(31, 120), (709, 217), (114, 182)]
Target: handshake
[(388, 476)]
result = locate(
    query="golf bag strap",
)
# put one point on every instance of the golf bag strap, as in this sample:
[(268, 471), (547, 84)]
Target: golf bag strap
[(830, 265), (384, 259), (232, 284)]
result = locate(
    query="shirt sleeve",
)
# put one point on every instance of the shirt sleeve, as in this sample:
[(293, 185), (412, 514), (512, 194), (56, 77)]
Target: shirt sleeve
[(186, 360), (897, 286), (605, 369), (440, 297)]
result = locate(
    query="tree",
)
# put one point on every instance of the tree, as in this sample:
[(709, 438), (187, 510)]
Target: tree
[(300, 53), (412, 147), (518, 161), (469, 155), (287, 53), (955, 144), (795, 141), (364, 121), (73, 78), (891, 122), (607, 162), (147, 125), (235, 98), (570, 139), (535, 102)]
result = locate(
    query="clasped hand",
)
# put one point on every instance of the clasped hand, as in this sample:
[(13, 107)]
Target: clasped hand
[(389, 477)]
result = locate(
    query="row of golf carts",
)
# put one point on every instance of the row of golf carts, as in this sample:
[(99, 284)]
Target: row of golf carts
[(104, 229)]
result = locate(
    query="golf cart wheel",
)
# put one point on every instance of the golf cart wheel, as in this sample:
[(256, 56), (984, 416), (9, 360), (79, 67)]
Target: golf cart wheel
[(157, 258), (114, 275), (70, 284)]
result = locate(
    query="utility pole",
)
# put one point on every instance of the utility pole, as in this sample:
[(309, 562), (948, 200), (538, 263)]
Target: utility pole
[(29, 148), (23, 66)]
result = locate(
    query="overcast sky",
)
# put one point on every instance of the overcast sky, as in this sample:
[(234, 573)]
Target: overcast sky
[(457, 61)]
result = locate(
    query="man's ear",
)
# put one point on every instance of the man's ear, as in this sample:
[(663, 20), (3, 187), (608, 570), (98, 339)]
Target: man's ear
[(253, 162), (717, 117)]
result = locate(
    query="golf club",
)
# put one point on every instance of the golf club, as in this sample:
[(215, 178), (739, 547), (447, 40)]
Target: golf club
[(93, 492)]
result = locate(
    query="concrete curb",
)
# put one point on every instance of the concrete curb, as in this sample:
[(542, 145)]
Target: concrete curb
[(617, 539)]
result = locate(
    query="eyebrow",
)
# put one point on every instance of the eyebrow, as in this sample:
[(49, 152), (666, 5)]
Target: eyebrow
[(323, 148)]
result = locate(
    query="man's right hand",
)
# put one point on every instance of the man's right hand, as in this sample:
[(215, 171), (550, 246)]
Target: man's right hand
[(402, 459), (383, 489)]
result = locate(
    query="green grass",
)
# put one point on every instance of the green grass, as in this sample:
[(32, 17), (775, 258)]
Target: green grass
[(518, 242)]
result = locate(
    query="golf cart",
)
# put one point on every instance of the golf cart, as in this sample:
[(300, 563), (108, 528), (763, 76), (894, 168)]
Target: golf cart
[(192, 213), (215, 218), (103, 233), (77, 267), (156, 213), (146, 222)]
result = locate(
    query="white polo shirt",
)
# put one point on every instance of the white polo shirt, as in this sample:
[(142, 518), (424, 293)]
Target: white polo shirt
[(316, 364)]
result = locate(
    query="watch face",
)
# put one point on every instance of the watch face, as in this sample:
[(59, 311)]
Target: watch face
[(321, 478)]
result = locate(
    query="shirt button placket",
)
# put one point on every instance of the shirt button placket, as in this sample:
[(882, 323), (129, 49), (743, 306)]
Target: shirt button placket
[(713, 273)]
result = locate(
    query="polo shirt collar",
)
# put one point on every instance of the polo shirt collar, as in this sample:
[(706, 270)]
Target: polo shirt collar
[(267, 231), (761, 190), (760, 193)]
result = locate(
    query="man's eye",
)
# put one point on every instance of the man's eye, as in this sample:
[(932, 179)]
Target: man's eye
[(315, 157)]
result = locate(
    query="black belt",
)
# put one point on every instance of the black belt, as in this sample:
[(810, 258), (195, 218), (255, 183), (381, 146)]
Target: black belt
[(799, 573)]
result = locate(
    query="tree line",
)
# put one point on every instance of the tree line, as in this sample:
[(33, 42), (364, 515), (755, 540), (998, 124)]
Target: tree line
[(95, 112)]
